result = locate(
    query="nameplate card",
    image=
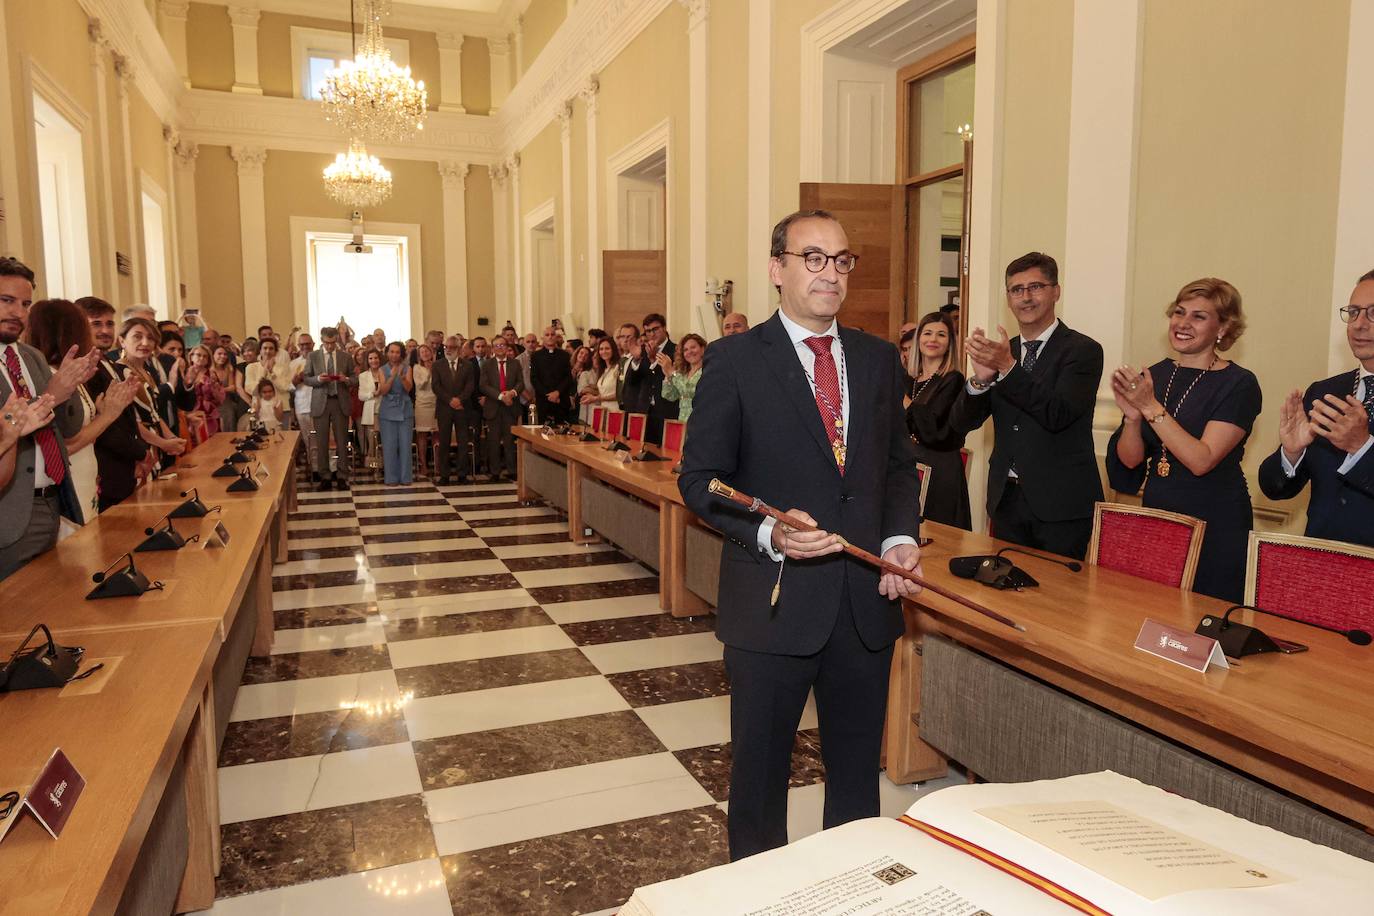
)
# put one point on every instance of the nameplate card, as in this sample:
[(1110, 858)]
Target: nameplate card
[(1181, 647), (51, 797), (218, 538), (262, 472)]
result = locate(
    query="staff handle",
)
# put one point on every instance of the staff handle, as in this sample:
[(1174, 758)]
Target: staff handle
[(754, 504)]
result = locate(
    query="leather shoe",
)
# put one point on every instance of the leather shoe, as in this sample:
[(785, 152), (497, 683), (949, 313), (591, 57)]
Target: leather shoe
[(441, 482), (324, 486), (341, 484)]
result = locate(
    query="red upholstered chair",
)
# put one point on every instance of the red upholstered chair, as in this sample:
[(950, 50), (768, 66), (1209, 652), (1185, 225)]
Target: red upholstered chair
[(615, 423), (1322, 582), (635, 424), (923, 473), (1150, 543), (598, 419), (674, 434)]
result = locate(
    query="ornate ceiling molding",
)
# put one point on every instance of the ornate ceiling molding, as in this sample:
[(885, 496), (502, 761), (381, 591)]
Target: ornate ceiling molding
[(127, 29), (226, 119), (403, 15)]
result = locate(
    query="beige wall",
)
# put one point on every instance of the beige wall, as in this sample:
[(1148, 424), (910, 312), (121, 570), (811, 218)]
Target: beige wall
[(542, 20), (149, 147), (274, 52), (221, 253), (481, 251), (209, 47), (476, 75)]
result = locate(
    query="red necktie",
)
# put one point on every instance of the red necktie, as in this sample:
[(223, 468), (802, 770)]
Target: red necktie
[(828, 392), (45, 437), (501, 366)]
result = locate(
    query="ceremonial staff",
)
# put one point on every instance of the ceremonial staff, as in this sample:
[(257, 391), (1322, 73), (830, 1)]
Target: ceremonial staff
[(754, 504)]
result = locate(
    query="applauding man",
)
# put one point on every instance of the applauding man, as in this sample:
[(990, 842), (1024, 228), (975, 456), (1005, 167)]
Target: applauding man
[(1040, 388), (1327, 437)]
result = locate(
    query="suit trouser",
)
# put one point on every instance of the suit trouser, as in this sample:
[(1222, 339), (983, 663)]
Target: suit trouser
[(500, 440), (306, 422), (39, 536), (1014, 521), (767, 694), (448, 420), (335, 418)]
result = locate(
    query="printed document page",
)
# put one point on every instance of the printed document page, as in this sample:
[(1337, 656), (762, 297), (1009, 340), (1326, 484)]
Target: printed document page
[(873, 867)]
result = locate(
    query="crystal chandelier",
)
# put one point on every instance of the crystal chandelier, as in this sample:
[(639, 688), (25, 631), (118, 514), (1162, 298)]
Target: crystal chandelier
[(357, 179), (369, 96)]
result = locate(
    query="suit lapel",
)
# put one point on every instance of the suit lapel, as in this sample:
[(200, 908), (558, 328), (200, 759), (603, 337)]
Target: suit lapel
[(781, 357), (861, 374)]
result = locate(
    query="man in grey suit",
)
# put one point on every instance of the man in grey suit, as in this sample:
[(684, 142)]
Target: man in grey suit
[(502, 381), (330, 371), (41, 489), (455, 384)]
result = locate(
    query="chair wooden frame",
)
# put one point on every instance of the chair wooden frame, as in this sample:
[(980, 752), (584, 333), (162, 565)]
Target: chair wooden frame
[(1197, 525), (682, 439), (923, 472), (1292, 540)]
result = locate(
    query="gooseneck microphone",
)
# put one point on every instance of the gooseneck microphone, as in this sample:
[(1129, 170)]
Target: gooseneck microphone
[(100, 576), (1073, 565), (1356, 636)]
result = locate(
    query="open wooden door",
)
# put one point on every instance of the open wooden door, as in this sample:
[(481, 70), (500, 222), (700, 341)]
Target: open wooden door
[(635, 283), (874, 217)]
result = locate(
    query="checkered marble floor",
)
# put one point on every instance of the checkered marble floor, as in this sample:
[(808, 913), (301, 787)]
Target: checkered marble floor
[(464, 713)]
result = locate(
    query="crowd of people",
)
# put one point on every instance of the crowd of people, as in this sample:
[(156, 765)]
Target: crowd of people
[(119, 399)]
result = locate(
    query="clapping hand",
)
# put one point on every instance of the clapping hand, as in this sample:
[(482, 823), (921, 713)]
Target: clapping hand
[(1341, 421), (118, 396), (73, 371), (989, 357), (1295, 428), (665, 362), (24, 417), (1135, 392)]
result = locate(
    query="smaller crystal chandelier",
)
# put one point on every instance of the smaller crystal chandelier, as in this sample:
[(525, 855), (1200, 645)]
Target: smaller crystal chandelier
[(357, 179), (369, 96)]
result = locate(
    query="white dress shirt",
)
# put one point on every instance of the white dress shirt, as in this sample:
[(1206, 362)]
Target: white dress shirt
[(40, 470), (798, 335), (1352, 458)]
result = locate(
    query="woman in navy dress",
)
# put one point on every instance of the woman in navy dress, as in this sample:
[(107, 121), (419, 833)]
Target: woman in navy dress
[(1183, 430)]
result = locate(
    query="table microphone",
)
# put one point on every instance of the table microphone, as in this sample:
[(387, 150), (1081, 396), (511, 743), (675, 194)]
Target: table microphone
[(1073, 565), (1357, 636)]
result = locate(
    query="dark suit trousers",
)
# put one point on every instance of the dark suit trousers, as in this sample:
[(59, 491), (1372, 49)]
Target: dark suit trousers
[(448, 421), (39, 537), (335, 417), (767, 694), (501, 441), (1013, 521)]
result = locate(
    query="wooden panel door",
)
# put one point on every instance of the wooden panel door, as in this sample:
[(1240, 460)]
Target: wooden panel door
[(874, 218), (635, 283)]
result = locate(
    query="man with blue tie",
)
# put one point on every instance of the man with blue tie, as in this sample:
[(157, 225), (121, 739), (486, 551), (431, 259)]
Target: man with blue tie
[(1327, 437)]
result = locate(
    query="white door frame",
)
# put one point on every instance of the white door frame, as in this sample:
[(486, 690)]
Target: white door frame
[(300, 252), (532, 220)]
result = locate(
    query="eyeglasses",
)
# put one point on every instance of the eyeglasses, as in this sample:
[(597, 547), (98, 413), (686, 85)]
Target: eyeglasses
[(815, 261), (652, 328), (1021, 289), (1351, 313)]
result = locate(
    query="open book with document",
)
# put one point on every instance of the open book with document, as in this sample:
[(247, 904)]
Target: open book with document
[(1100, 843)]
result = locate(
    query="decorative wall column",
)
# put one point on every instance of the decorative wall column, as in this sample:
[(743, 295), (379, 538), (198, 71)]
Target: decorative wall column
[(187, 234), (565, 220), (103, 265), (519, 47), (11, 227), (244, 19), (499, 49), (698, 57), (1099, 234), (253, 234), (596, 312), (171, 140), (172, 20), (758, 293), (124, 73), (451, 72), (454, 176), (522, 321), (500, 230)]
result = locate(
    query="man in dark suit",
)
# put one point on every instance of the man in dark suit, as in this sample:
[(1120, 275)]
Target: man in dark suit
[(40, 489), (332, 373), (644, 378), (454, 383), (481, 355), (626, 339), (501, 383), (1040, 389), (551, 376), (1327, 437), (807, 416)]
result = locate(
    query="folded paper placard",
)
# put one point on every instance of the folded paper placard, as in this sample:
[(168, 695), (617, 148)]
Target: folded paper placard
[(1180, 646)]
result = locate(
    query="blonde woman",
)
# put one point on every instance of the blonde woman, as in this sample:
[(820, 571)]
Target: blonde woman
[(935, 385)]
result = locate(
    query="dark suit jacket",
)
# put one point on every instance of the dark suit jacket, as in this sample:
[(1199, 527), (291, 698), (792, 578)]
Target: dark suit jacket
[(1342, 505), (1043, 423), (643, 391), (448, 384), (551, 370), (490, 386), (16, 499), (755, 426), (118, 449)]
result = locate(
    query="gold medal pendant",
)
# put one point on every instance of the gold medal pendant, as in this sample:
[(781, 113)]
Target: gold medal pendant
[(1162, 467), (838, 447)]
